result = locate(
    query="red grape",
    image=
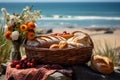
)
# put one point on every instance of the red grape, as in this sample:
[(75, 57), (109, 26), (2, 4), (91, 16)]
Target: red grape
[(15, 62), (28, 64), (12, 65), (32, 64), (18, 66)]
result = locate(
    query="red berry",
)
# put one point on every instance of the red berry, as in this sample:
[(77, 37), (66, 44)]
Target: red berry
[(32, 64), (34, 61), (55, 34), (18, 66), (64, 32), (28, 64), (15, 62), (12, 65)]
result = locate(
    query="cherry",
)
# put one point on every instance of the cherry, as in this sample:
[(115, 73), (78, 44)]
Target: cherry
[(32, 64), (18, 66), (28, 64), (23, 63), (15, 62), (12, 65)]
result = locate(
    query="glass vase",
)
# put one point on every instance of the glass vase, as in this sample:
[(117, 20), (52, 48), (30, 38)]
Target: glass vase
[(15, 52)]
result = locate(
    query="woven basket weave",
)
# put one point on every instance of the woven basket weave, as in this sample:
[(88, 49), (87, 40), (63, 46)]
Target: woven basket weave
[(69, 56)]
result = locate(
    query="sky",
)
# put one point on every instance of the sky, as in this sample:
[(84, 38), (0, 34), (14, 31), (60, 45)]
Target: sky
[(59, 0)]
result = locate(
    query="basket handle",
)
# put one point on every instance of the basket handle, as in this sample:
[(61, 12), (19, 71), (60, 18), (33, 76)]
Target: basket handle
[(91, 42)]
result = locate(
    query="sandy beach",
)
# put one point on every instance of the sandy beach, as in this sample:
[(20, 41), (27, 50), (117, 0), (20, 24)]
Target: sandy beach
[(99, 37)]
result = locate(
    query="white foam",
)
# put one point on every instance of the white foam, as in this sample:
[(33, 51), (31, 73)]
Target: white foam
[(58, 17)]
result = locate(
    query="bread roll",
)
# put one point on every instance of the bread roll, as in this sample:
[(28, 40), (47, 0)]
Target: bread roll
[(102, 64)]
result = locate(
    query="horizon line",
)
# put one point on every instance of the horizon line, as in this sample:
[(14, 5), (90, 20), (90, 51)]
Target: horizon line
[(64, 2)]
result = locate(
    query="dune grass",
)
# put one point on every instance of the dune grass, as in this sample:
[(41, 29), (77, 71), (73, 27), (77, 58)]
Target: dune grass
[(5, 46)]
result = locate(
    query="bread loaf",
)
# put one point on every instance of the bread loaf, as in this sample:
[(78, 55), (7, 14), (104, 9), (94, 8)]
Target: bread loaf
[(32, 43), (102, 64), (54, 46), (61, 45), (67, 36), (79, 41), (45, 41)]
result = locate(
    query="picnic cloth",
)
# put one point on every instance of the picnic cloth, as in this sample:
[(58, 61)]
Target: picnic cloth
[(40, 72)]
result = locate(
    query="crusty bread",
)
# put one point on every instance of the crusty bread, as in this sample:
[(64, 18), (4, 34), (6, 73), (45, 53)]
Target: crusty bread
[(32, 43), (79, 41), (45, 41), (102, 64), (54, 46), (63, 44), (67, 36)]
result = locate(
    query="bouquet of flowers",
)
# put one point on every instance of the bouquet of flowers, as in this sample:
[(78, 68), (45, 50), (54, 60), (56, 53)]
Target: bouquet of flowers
[(20, 27)]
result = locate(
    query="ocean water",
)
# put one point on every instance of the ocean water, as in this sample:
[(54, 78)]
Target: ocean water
[(60, 15)]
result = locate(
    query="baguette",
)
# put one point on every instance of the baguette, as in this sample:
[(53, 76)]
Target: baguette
[(47, 41)]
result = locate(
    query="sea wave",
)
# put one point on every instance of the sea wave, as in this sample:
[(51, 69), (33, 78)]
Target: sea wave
[(59, 17)]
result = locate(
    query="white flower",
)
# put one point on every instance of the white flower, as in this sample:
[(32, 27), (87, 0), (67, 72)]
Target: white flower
[(3, 9), (14, 19), (15, 35), (6, 15), (6, 27)]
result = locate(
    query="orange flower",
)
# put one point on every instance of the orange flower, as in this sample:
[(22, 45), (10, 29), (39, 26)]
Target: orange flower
[(23, 27), (30, 25), (7, 35), (30, 35)]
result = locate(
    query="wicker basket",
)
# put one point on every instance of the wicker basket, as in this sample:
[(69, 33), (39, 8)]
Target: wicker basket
[(69, 56)]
